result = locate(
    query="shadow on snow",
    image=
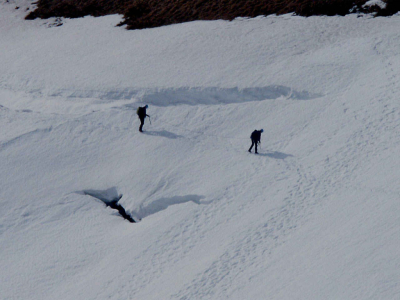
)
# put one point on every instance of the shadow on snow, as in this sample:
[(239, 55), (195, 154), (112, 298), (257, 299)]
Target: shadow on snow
[(163, 133), (163, 203), (276, 155)]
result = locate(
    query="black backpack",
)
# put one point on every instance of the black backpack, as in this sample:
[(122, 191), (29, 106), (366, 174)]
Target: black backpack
[(256, 135), (141, 111)]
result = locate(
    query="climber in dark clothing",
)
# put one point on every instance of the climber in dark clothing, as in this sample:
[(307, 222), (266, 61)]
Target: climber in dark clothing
[(255, 139), (141, 112)]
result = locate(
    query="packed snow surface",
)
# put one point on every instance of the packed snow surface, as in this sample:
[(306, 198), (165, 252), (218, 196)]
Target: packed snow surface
[(315, 215)]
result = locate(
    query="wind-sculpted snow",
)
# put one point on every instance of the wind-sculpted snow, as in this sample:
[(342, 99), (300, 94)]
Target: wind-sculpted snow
[(107, 196), (110, 197), (193, 95), (24, 137), (214, 95)]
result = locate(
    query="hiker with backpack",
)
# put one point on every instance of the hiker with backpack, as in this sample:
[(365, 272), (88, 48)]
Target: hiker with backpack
[(255, 139), (141, 112)]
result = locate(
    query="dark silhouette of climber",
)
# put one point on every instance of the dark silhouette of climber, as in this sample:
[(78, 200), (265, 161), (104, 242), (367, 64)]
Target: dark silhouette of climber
[(141, 112), (255, 139)]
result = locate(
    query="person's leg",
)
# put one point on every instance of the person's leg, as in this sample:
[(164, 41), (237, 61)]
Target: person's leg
[(141, 124), (256, 147), (252, 144)]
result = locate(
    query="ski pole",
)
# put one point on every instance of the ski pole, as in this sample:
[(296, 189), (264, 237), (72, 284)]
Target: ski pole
[(149, 120)]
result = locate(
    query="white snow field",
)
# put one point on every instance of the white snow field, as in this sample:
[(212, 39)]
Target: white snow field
[(315, 215)]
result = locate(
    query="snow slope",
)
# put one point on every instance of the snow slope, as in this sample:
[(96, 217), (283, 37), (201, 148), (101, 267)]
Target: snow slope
[(314, 216)]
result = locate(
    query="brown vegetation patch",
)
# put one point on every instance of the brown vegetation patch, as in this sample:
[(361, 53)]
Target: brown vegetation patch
[(140, 14)]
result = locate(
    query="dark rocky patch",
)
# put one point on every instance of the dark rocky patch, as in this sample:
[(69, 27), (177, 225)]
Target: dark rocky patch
[(139, 14)]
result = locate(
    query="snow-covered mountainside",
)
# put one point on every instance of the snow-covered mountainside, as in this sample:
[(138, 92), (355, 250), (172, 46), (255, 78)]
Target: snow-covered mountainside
[(315, 215)]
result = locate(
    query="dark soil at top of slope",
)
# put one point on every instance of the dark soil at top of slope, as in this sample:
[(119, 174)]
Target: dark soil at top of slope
[(77, 8), (140, 14)]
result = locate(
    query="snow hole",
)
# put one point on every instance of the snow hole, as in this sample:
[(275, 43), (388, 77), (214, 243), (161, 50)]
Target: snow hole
[(110, 198)]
